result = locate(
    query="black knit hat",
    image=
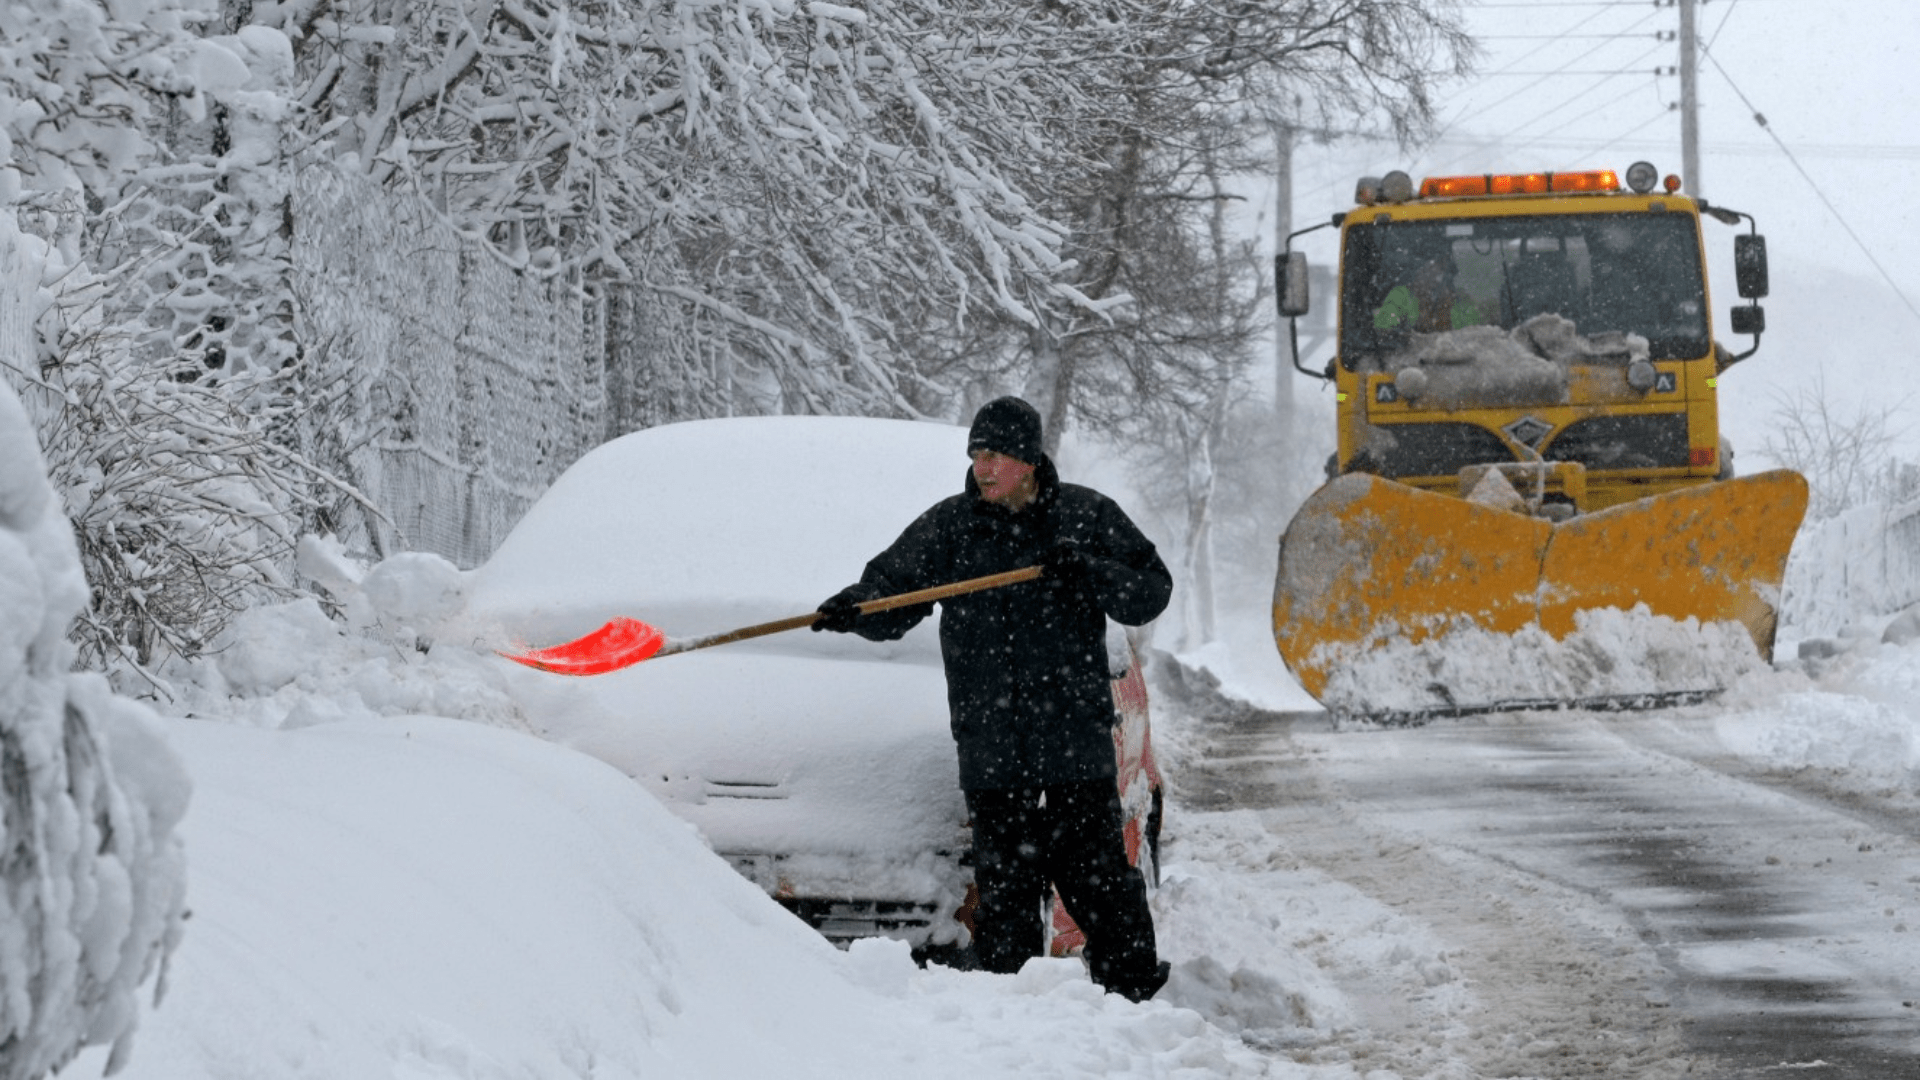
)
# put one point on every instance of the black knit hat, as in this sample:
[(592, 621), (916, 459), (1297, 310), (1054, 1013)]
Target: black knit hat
[(1009, 426)]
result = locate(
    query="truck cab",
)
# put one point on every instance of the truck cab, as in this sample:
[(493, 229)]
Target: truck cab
[(1555, 327)]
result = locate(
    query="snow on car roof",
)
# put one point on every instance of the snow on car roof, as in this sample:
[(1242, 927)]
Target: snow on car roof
[(709, 525)]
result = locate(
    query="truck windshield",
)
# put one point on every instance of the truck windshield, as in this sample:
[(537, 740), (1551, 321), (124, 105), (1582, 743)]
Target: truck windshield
[(1609, 273)]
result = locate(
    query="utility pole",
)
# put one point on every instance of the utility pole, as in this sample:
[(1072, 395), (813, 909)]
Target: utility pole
[(1689, 104), (1282, 226)]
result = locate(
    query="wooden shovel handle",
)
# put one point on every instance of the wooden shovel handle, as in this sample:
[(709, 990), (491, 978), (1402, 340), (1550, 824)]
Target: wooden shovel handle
[(867, 607)]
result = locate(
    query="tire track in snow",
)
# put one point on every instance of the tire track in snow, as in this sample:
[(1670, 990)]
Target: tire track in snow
[(1554, 997), (1620, 909)]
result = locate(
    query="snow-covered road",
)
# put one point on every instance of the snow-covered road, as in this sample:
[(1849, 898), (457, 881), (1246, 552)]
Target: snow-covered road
[(1609, 894)]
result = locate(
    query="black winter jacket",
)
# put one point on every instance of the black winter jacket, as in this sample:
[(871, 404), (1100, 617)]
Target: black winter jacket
[(1027, 674)]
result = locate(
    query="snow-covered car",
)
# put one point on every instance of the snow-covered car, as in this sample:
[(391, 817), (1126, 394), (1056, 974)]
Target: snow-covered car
[(820, 765)]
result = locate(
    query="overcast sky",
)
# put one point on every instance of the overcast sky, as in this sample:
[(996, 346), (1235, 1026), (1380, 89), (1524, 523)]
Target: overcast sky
[(1571, 84)]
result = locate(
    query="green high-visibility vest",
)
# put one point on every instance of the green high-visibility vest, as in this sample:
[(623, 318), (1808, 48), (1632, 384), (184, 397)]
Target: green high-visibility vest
[(1401, 309)]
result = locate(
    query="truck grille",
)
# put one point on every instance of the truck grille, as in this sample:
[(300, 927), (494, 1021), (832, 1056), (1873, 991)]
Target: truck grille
[(1633, 441), (1438, 449)]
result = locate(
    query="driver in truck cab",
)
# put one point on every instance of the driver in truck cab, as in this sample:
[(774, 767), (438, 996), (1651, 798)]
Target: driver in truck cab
[(1429, 303)]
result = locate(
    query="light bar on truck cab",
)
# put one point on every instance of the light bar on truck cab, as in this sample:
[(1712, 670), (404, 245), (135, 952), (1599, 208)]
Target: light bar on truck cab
[(1540, 183)]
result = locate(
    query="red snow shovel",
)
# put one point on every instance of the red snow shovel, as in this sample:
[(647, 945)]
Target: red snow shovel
[(624, 642)]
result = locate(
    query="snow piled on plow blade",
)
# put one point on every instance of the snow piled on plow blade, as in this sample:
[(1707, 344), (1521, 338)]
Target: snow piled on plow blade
[(1613, 659)]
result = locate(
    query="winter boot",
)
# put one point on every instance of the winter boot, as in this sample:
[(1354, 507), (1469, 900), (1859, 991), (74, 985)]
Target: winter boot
[(1141, 987)]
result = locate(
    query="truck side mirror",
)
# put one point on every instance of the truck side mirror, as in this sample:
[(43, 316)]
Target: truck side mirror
[(1290, 283), (1750, 265), (1749, 318)]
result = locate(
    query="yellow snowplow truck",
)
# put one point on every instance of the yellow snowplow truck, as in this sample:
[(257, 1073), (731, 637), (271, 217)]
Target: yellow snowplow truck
[(1531, 505)]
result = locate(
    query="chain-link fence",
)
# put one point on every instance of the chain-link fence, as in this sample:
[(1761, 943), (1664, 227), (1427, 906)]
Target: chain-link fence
[(453, 389)]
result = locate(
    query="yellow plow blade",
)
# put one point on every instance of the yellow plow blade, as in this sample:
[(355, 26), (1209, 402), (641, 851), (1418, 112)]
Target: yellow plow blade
[(1371, 569), (1714, 553)]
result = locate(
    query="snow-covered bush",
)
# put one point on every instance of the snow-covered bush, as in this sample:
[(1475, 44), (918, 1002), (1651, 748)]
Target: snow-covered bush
[(1845, 454), (184, 502), (162, 377), (1859, 550), (92, 875)]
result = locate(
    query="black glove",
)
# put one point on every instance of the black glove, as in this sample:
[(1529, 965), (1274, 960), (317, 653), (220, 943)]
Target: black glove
[(1066, 563), (839, 613)]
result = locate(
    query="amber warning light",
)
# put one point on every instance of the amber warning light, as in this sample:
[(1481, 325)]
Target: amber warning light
[(1540, 183)]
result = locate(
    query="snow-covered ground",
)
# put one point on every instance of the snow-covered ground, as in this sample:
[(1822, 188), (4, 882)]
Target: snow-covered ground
[(377, 890), (388, 876)]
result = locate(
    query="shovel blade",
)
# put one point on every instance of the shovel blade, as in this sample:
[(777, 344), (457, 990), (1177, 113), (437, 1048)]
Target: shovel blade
[(620, 643)]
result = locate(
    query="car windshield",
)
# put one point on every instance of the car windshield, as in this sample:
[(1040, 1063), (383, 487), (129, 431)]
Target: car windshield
[(1608, 273)]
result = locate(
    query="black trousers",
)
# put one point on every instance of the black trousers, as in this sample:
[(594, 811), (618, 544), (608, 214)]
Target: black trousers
[(1070, 836)]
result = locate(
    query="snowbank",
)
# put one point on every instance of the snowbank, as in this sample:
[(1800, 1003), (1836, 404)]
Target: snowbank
[(387, 894), (1855, 715), (487, 905), (1862, 562)]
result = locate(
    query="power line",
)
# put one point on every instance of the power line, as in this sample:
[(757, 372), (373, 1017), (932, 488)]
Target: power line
[(1580, 96), (1542, 78), (1841, 151), (1533, 4), (1659, 35), (1603, 105), (1635, 130), (1657, 69), (1761, 119), (1523, 57), (1723, 25)]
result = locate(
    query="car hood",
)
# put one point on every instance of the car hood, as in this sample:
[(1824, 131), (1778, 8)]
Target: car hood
[(772, 753)]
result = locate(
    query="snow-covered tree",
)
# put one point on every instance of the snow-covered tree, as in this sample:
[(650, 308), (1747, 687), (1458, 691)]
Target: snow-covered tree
[(134, 141), (146, 149), (1158, 349), (1189, 92), (83, 83), (771, 193), (773, 205)]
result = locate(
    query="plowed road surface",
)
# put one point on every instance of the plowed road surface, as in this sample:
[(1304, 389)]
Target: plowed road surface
[(1622, 898)]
